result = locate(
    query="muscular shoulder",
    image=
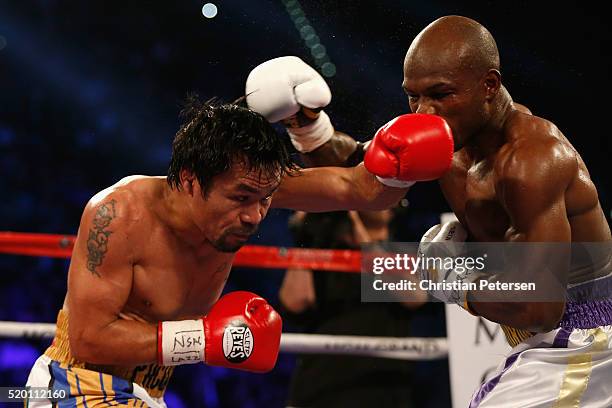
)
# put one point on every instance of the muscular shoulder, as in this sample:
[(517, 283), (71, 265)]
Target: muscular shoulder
[(537, 159), (537, 164), (527, 127), (534, 172), (127, 202), (535, 147), (111, 223)]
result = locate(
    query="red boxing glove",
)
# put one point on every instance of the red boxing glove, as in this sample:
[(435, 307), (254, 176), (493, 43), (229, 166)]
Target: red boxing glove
[(410, 148), (241, 331)]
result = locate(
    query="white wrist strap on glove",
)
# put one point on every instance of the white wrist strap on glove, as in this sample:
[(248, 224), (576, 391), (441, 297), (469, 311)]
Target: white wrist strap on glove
[(180, 342), (308, 138), (393, 182)]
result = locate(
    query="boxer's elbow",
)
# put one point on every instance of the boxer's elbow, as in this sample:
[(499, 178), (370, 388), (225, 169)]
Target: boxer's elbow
[(545, 316), (86, 346), (539, 317)]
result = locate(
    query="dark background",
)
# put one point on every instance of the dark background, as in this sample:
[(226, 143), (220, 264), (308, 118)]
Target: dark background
[(90, 91)]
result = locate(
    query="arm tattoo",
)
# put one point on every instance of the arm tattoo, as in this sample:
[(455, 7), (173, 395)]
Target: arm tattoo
[(97, 241)]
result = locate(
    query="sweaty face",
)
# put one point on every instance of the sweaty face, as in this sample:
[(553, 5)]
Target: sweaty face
[(235, 204), (453, 93)]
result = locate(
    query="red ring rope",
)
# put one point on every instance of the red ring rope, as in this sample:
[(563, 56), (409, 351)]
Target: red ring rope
[(60, 246)]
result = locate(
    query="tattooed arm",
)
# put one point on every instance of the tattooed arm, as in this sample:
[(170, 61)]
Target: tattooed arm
[(99, 284)]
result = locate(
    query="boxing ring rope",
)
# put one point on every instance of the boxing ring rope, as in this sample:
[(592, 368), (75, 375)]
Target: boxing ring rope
[(402, 348), (255, 256)]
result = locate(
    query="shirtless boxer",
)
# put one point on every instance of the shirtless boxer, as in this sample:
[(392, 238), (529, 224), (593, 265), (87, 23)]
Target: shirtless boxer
[(514, 178), (153, 254)]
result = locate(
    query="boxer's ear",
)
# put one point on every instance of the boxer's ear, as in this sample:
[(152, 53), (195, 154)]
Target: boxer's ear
[(492, 83), (187, 180)]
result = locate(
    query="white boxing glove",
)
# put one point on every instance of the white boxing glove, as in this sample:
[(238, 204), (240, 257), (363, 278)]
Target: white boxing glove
[(445, 242), (281, 88)]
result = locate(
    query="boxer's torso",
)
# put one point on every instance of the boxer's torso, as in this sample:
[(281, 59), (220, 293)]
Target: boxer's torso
[(171, 280), (471, 186)]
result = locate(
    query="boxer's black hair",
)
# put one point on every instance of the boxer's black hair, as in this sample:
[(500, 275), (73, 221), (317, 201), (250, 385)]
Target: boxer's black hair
[(215, 136)]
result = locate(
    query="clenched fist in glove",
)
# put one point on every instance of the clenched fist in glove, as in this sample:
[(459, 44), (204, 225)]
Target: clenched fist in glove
[(289, 90), (410, 148), (241, 331)]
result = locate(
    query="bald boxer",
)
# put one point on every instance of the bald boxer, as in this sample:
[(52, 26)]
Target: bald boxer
[(514, 178), (152, 256)]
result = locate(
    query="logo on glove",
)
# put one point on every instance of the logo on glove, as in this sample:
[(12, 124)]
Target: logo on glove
[(238, 342)]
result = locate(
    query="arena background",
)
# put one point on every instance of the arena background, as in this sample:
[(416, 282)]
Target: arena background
[(90, 91)]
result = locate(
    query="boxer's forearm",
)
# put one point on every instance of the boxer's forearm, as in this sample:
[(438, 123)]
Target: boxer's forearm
[(335, 189), (536, 317), (297, 292), (539, 309), (370, 193), (122, 342), (341, 150)]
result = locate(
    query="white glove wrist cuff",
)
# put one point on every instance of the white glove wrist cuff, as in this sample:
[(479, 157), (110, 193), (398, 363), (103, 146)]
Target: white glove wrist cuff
[(308, 138), (393, 182), (180, 342)]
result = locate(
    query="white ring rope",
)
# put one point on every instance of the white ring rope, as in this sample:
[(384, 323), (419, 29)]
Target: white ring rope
[(27, 330), (401, 348)]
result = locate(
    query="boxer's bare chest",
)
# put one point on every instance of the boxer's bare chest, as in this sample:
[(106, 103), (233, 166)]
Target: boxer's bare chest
[(173, 281), (470, 191)]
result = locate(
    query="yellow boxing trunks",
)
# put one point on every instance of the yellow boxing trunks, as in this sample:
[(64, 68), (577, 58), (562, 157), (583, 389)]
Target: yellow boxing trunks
[(89, 385)]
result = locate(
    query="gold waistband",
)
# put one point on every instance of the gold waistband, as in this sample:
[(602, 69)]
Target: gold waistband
[(152, 377), (515, 336)]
